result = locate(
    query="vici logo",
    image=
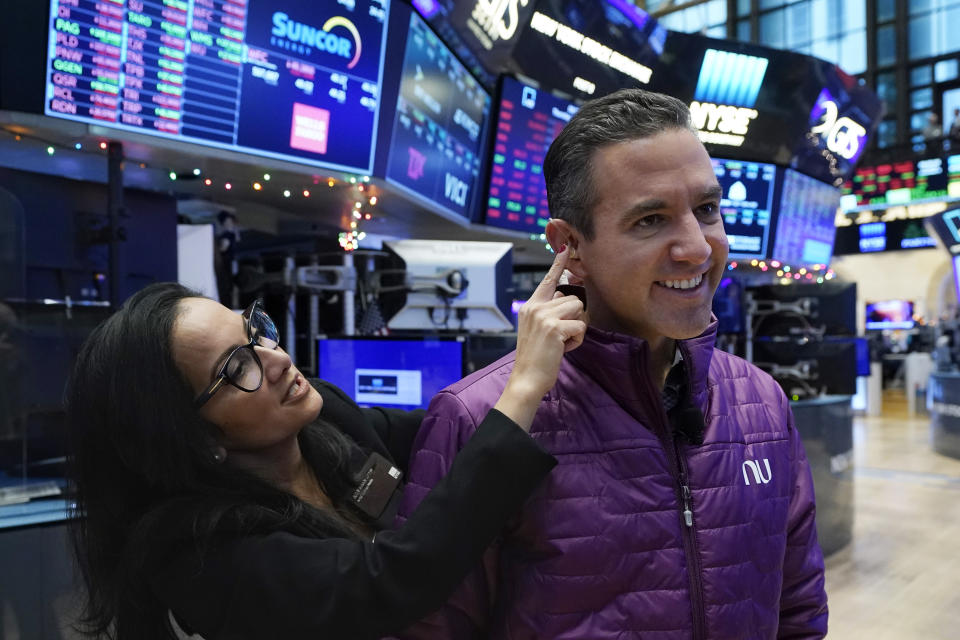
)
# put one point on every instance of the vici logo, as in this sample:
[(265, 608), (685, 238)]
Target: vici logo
[(756, 472), (455, 189)]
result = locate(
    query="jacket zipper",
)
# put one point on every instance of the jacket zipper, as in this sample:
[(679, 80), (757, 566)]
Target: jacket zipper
[(685, 500), (690, 549)]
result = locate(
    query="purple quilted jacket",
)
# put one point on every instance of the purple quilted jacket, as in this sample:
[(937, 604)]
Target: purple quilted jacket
[(633, 534)]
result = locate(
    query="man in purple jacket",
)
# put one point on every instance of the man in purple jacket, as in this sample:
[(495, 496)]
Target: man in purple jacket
[(682, 505)]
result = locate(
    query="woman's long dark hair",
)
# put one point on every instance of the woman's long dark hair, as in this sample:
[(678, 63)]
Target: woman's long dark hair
[(145, 478)]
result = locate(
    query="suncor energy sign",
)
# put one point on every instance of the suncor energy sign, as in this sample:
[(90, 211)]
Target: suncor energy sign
[(304, 38), (726, 92)]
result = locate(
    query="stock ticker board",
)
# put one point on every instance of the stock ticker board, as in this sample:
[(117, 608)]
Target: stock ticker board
[(291, 79), (527, 122), (904, 182)]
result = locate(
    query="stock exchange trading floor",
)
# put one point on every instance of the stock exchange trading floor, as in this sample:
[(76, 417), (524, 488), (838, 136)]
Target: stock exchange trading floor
[(897, 579)]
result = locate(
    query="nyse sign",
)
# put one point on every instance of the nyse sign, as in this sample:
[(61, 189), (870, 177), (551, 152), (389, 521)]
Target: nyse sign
[(842, 136), (721, 123)]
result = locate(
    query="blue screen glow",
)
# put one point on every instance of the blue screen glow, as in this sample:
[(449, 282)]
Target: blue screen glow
[(402, 373), (806, 226)]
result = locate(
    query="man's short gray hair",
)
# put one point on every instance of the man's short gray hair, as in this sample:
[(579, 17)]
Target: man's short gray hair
[(628, 114)]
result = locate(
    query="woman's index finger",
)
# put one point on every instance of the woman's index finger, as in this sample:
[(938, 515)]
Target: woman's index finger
[(548, 285)]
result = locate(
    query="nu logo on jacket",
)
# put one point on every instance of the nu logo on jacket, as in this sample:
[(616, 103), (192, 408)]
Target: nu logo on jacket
[(753, 469)]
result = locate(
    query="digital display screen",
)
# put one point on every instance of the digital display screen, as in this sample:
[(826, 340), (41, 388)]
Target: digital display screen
[(893, 235), (441, 115), (296, 80), (842, 119), (906, 182), (746, 101), (806, 221), (528, 121), (404, 373), (587, 48), (747, 205), (889, 314)]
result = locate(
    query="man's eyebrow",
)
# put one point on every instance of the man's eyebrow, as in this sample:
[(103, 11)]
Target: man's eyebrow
[(643, 207), (714, 192)]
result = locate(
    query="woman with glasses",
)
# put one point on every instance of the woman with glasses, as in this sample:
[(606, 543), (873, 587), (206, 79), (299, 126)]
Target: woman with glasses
[(221, 493)]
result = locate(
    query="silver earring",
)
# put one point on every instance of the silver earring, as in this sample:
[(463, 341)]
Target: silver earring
[(219, 454)]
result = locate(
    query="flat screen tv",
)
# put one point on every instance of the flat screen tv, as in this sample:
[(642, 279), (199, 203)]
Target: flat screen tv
[(528, 119), (439, 125), (889, 314), (397, 372), (295, 80), (806, 221), (747, 205)]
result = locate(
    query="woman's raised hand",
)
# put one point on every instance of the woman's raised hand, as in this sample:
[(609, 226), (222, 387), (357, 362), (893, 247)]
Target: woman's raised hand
[(550, 325)]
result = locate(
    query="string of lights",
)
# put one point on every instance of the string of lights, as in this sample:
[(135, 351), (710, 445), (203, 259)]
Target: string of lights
[(349, 240), (786, 273)]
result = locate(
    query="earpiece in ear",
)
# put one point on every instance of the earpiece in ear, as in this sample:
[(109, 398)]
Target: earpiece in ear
[(219, 454)]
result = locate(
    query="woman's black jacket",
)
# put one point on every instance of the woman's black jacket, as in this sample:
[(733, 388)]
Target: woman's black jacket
[(285, 585)]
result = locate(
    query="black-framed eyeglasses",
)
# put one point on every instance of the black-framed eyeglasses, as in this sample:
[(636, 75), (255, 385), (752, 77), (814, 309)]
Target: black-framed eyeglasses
[(242, 367)]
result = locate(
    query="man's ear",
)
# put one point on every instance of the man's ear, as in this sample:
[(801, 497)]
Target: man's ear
[(560, 233)]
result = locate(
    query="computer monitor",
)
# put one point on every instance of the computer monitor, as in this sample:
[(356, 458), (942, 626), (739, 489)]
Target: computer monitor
[(889, 314), (806, 226), (454, 285), (747, 205), (396, 372)]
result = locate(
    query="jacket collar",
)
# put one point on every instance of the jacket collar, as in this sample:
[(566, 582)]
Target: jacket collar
[(618, 363)]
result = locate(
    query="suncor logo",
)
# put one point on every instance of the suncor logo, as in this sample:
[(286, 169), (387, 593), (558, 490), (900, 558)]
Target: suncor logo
[(303, 38)]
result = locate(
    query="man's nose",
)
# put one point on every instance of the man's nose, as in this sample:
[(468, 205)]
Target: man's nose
[(690, 244)]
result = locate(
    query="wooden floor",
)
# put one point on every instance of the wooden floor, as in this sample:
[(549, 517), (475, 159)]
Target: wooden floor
[(899, 578)]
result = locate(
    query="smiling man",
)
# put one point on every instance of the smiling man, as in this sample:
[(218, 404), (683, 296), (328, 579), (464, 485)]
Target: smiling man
[(682, 505)]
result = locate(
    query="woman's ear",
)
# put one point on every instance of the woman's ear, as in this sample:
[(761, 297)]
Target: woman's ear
[(561, 234)]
